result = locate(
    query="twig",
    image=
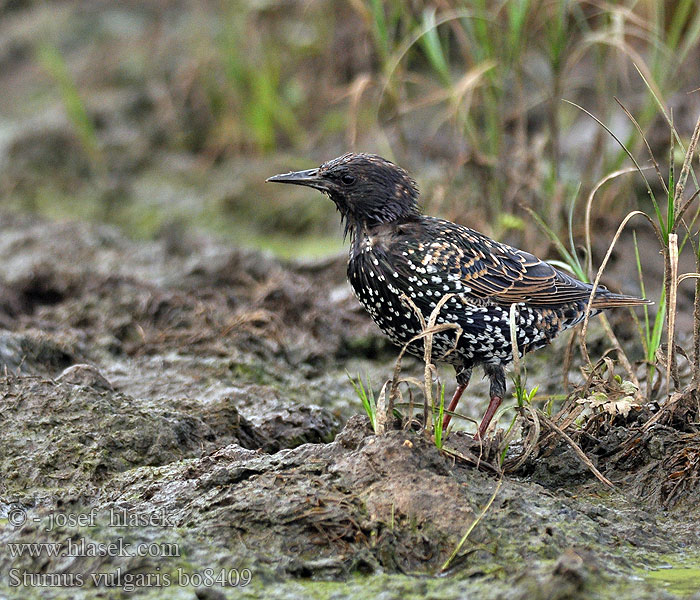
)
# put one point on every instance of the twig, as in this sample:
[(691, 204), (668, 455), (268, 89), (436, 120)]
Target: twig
[(580, 453)]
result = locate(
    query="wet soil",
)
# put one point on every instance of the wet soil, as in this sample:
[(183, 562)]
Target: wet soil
[(169, 391), (195, 401)]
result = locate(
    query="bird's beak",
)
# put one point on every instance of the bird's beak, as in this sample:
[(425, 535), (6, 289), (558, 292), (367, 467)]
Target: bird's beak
[(310, 177)]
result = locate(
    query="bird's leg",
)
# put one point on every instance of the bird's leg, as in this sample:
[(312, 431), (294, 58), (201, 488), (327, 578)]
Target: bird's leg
[(496, 391), (463, 375)]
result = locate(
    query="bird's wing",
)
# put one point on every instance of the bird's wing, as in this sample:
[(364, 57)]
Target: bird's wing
[(464, 261)]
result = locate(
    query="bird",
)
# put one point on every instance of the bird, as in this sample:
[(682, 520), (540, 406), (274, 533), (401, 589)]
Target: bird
[(398, 253)]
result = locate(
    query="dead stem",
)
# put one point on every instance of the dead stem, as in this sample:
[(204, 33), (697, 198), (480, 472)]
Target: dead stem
[(568, 356), (589, 207), (696, 332), (621, 355), (599, 274), (530, 443), (429, 329), (580, 453), (672, 288)]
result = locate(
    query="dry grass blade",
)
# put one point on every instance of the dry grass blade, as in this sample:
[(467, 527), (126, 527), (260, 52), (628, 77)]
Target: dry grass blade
[(589, 206), (621, 354), (646, 143), (514, 339), (568, 357), (672, 301), (446, 564), (624, 148), (471, 459), (357, 89), (530, 443), (696, 333), (656, 95), (599, 274), (580, 453), (665, 410), (696, 323), (429, 329), (685, 207), (382, 414), (687, 161)]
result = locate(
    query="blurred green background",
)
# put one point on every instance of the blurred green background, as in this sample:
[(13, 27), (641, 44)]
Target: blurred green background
[(165, 117)]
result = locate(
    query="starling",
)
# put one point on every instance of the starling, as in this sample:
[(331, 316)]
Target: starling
[(396, 253)]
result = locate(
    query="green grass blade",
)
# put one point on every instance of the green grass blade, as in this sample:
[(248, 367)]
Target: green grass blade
[(51, 59), (437, 421), (646, 337), (379, 29), (366, 396), (655, 341), (432, 47)]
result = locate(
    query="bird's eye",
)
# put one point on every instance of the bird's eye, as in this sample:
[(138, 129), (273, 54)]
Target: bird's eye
[(348, 179)]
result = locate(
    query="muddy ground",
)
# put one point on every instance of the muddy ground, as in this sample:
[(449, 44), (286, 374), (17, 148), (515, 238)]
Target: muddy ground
[(164, 392), (193, 399)]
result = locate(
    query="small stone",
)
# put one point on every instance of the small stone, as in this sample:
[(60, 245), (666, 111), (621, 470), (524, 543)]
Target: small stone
[(85, 375)]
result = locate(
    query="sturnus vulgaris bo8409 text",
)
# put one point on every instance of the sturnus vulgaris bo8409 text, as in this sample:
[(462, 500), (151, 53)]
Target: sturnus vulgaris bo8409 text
[(396, 251)]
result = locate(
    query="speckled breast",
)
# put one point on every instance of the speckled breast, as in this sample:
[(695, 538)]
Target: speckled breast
[(481, 332)]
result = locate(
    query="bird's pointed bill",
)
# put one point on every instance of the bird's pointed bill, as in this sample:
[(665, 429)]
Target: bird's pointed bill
[(310, 178)]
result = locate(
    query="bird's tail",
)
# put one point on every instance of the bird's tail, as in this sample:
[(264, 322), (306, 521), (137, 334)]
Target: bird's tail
[(610, 300)]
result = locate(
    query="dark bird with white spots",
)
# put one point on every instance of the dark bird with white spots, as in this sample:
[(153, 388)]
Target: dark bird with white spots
[(397, 252)]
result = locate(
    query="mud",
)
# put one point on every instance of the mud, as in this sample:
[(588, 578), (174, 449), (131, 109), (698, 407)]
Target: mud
[(168, 391), (200, 395)]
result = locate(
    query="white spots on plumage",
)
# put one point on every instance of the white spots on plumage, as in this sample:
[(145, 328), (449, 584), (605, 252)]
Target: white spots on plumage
[(485, 335)]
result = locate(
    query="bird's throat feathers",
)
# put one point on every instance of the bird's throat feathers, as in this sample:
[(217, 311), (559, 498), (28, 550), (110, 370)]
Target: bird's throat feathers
[(369, 191)]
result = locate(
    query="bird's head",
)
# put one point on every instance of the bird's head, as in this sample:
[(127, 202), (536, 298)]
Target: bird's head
[(367, 189)]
